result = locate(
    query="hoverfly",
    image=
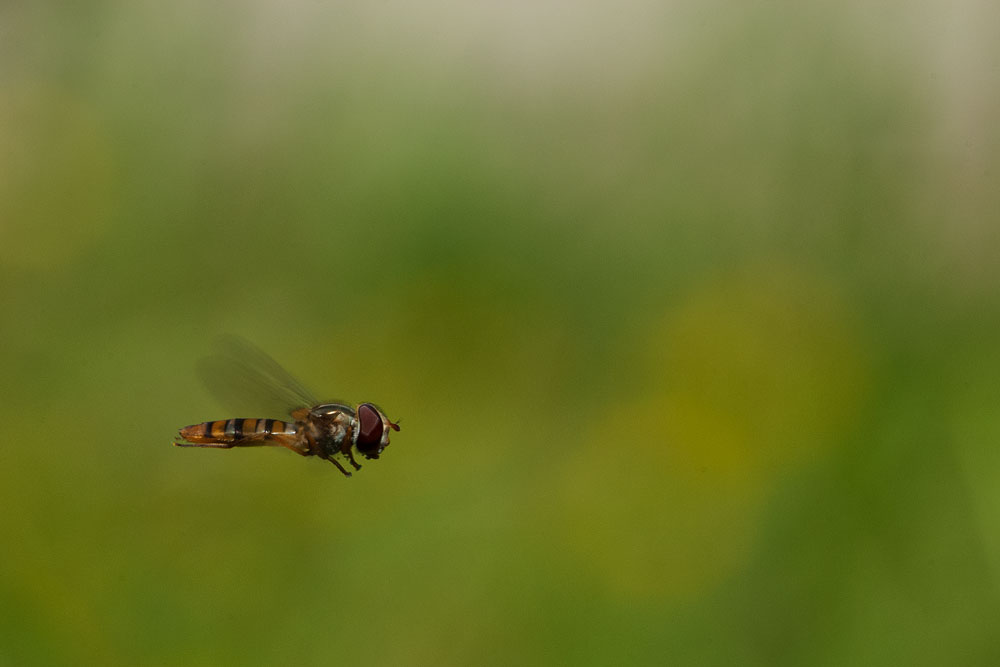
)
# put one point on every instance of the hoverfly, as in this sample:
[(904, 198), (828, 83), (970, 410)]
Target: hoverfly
[(327, 430)]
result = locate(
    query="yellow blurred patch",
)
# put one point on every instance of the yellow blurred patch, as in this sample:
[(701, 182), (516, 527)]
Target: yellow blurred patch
[(773, 353), (56, 176), (750, 375), (647, 524)]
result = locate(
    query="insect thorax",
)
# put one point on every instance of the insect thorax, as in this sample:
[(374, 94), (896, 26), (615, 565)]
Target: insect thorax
[(332, 432)]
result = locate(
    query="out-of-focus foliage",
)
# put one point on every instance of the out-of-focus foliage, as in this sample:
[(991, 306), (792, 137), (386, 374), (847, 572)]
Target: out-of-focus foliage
[(691, 313)]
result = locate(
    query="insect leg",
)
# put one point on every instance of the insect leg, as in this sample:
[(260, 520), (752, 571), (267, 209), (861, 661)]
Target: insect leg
[(211, 445), (297, 445), (256, 440), (350, 457), (339, 467)]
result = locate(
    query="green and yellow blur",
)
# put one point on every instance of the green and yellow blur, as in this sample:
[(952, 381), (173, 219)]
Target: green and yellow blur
[(690, 313)]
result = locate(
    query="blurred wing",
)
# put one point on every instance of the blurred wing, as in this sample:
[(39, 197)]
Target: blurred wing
[(245, 380)]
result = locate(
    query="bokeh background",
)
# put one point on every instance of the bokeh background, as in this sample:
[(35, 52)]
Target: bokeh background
[(690, 311)]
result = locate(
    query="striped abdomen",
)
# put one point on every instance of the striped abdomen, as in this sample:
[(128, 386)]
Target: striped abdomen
[(235, 430)]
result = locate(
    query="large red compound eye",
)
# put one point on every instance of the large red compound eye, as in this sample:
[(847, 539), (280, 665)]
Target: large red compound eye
[(369, 430)]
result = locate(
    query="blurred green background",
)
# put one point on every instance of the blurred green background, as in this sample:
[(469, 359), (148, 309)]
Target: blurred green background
[(690, 311)]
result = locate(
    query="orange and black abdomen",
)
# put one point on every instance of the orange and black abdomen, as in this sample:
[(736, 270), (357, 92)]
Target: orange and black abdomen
[(235, 430)]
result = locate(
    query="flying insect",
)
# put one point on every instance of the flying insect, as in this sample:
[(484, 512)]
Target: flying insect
[(331, 430)]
